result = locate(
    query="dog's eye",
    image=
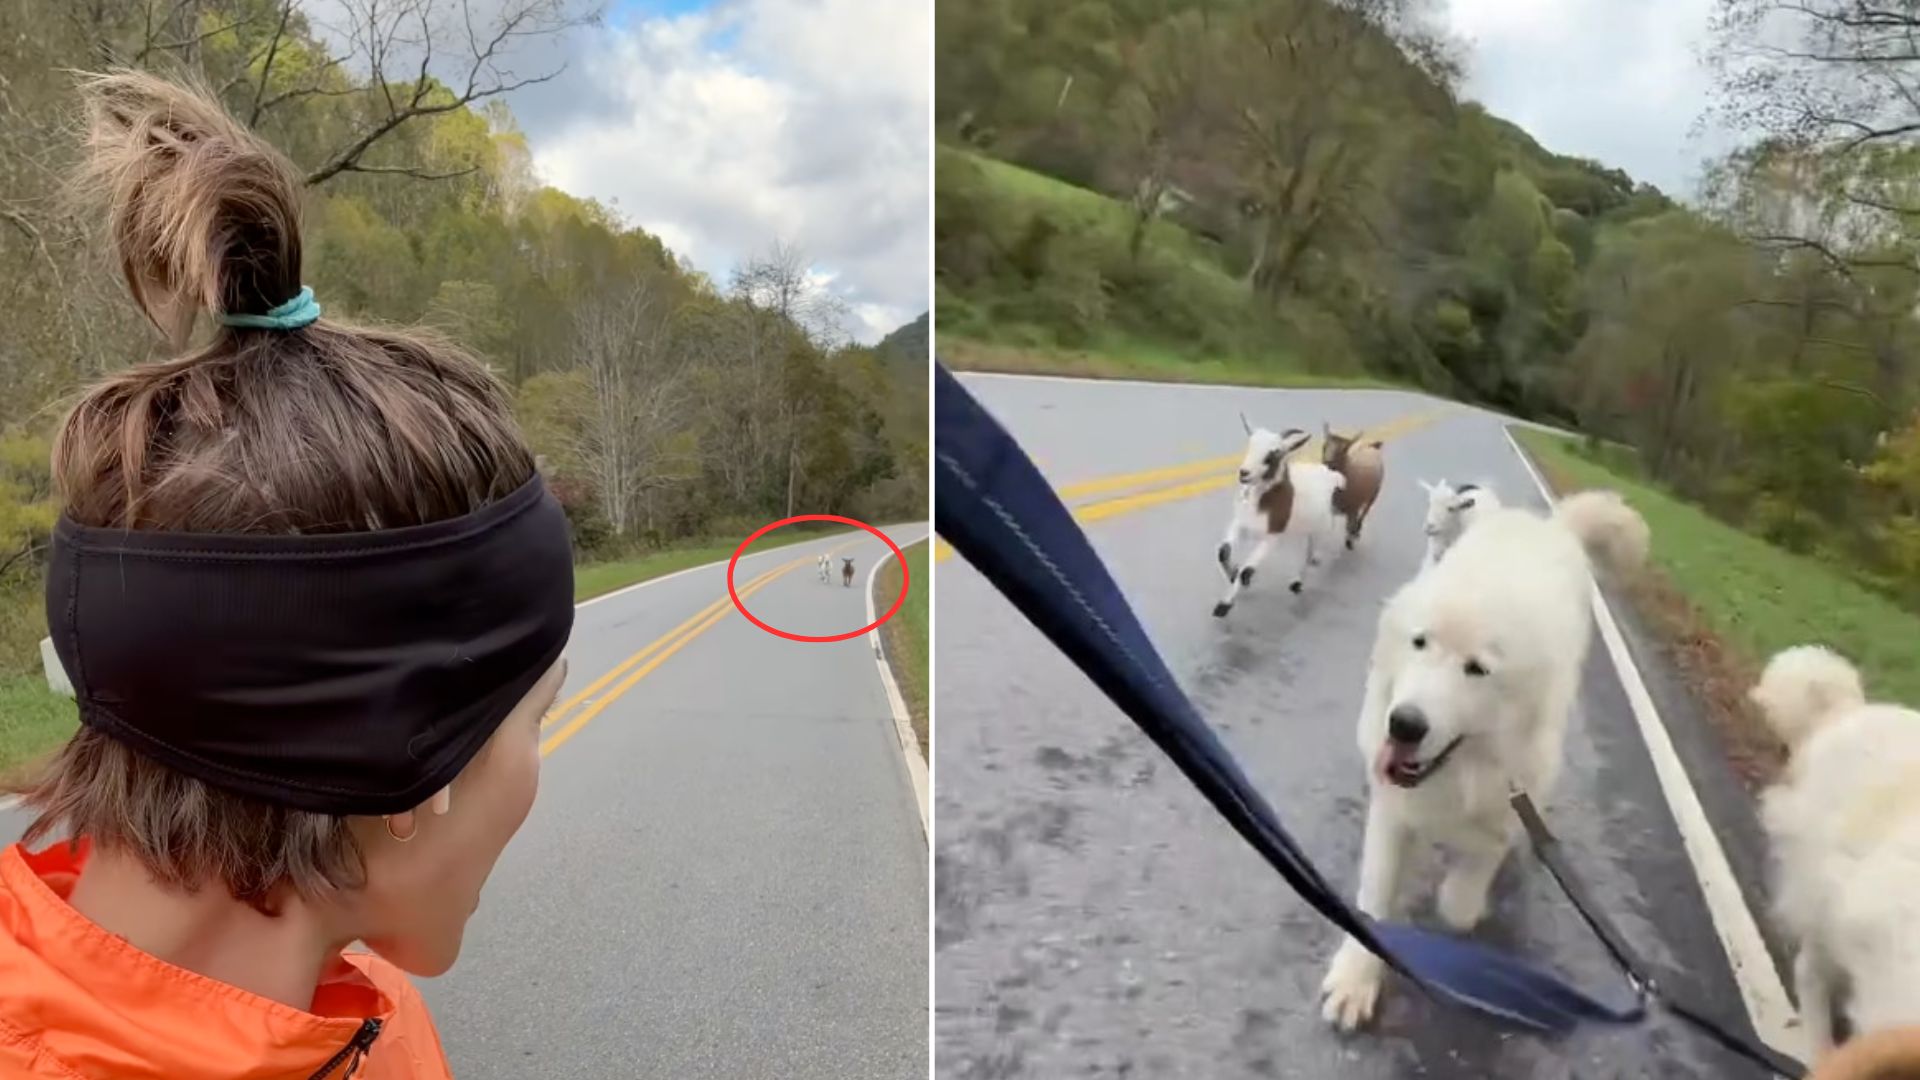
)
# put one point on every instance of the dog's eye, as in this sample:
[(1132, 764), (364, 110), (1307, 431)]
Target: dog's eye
[(1419, 641), (1475, 668)]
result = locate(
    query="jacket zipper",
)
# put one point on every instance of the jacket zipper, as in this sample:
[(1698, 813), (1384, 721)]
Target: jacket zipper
[(352, 1053)]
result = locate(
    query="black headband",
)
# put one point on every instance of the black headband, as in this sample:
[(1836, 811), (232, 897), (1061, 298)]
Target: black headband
[(342, 673)]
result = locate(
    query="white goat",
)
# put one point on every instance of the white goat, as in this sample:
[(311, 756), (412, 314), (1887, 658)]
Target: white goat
[(1450, 510), (822, 565), (1275, 496)]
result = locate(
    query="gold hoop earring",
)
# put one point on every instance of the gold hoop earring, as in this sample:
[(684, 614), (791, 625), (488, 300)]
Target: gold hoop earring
[(388, 821)]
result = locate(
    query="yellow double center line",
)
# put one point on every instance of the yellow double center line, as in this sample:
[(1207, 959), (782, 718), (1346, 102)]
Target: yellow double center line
[(642, 663), (1178, 482)]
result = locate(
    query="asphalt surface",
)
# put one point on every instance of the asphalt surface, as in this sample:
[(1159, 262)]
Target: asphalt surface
[(1095, 918), (725, 873)]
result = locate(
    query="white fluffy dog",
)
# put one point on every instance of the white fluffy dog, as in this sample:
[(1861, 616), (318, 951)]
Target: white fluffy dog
[(1474, 670), (1844, 825)]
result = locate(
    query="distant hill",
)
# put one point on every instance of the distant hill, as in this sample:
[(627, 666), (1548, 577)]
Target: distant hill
[(908, 344)]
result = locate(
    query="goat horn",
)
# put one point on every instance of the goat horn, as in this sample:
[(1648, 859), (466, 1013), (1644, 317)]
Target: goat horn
[(1244, 424)]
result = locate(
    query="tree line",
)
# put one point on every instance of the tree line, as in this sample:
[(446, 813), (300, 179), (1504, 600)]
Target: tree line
[(664, 405), (1303, 178)]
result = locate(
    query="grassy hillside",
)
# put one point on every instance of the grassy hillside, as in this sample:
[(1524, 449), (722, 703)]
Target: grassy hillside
[(1725, 601), (1035, 274)]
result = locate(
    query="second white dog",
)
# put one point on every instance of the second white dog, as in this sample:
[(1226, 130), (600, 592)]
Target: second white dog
[(1844, 829), (1475, 666)]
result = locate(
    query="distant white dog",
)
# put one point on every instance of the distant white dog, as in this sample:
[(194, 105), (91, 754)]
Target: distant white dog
[(1450, 510), (1474, 670), (823, 566), (1844, 826)]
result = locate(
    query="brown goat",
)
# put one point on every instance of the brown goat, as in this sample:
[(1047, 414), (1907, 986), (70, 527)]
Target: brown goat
[(1365, 469)]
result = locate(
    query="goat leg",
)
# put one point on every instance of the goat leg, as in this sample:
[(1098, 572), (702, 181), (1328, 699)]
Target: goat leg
[(1243, 577)]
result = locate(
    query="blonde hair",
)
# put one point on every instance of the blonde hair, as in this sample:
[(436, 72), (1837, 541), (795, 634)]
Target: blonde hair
[(327, 428)]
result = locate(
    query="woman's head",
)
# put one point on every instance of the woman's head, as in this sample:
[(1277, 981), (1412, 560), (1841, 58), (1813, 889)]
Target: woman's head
[(329, 428)]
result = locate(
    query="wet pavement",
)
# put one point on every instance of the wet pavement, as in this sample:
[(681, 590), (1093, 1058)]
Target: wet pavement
[(1095, 918)]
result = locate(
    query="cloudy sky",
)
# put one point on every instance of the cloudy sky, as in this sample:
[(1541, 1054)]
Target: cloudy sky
[(1616, 80), (723, 125)]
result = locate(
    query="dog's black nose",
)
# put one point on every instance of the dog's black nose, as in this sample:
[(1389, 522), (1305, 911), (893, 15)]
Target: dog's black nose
[(1406, 724)]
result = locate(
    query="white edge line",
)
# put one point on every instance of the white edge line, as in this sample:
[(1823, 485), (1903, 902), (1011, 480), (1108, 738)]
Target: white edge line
[(1774, 1018), (9, 802), (902, 722)]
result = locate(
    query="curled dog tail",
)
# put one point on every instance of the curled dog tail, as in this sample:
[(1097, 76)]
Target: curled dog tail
[(1804, 687), (1614, 534)]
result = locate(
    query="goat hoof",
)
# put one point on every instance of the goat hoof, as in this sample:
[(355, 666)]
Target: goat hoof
[(1225, 555), (1246, 576), (1220, 610), (1296, 587)]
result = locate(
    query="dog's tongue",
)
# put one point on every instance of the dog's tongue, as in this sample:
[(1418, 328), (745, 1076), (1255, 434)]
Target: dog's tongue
[(1393, 755)]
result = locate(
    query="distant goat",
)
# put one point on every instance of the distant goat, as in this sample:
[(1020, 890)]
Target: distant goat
[(1450, 510), (1276, 496), (822, 565), (1364, 468), (846, 571)]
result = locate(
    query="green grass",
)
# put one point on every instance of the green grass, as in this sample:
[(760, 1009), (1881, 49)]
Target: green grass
[(33, 719), (1177, 313), (593, 579), (1079, 209), (906, 633), (1756, 598)]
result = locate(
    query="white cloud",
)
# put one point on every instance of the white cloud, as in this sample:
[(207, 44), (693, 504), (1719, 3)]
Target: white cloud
[(755, 120), (1615, 80)]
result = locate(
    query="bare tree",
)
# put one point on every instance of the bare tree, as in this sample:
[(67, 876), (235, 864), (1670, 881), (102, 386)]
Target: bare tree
[(1166, 109), (780, 282), (623, 342), (420, 58), (1833, 89)]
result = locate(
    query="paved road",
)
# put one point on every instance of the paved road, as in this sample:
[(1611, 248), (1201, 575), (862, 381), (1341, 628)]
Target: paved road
[(1095, 918), (725, 873)]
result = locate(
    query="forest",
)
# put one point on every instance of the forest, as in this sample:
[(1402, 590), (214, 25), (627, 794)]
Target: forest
[(1301, 186), (666, 406)]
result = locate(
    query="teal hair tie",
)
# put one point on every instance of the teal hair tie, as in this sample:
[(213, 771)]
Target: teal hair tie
[(292, 315)]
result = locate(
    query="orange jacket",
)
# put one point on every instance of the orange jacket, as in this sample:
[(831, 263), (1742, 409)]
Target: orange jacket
[(77, 1002)]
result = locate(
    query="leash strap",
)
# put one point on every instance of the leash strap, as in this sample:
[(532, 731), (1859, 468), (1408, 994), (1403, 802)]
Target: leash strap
[(1546, 847), (994, 507)]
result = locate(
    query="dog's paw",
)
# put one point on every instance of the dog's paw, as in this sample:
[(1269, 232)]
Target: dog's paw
[(1352, 987), (1461, 903)]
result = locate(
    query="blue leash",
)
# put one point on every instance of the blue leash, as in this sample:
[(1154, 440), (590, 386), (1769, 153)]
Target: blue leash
[(993, 506)]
